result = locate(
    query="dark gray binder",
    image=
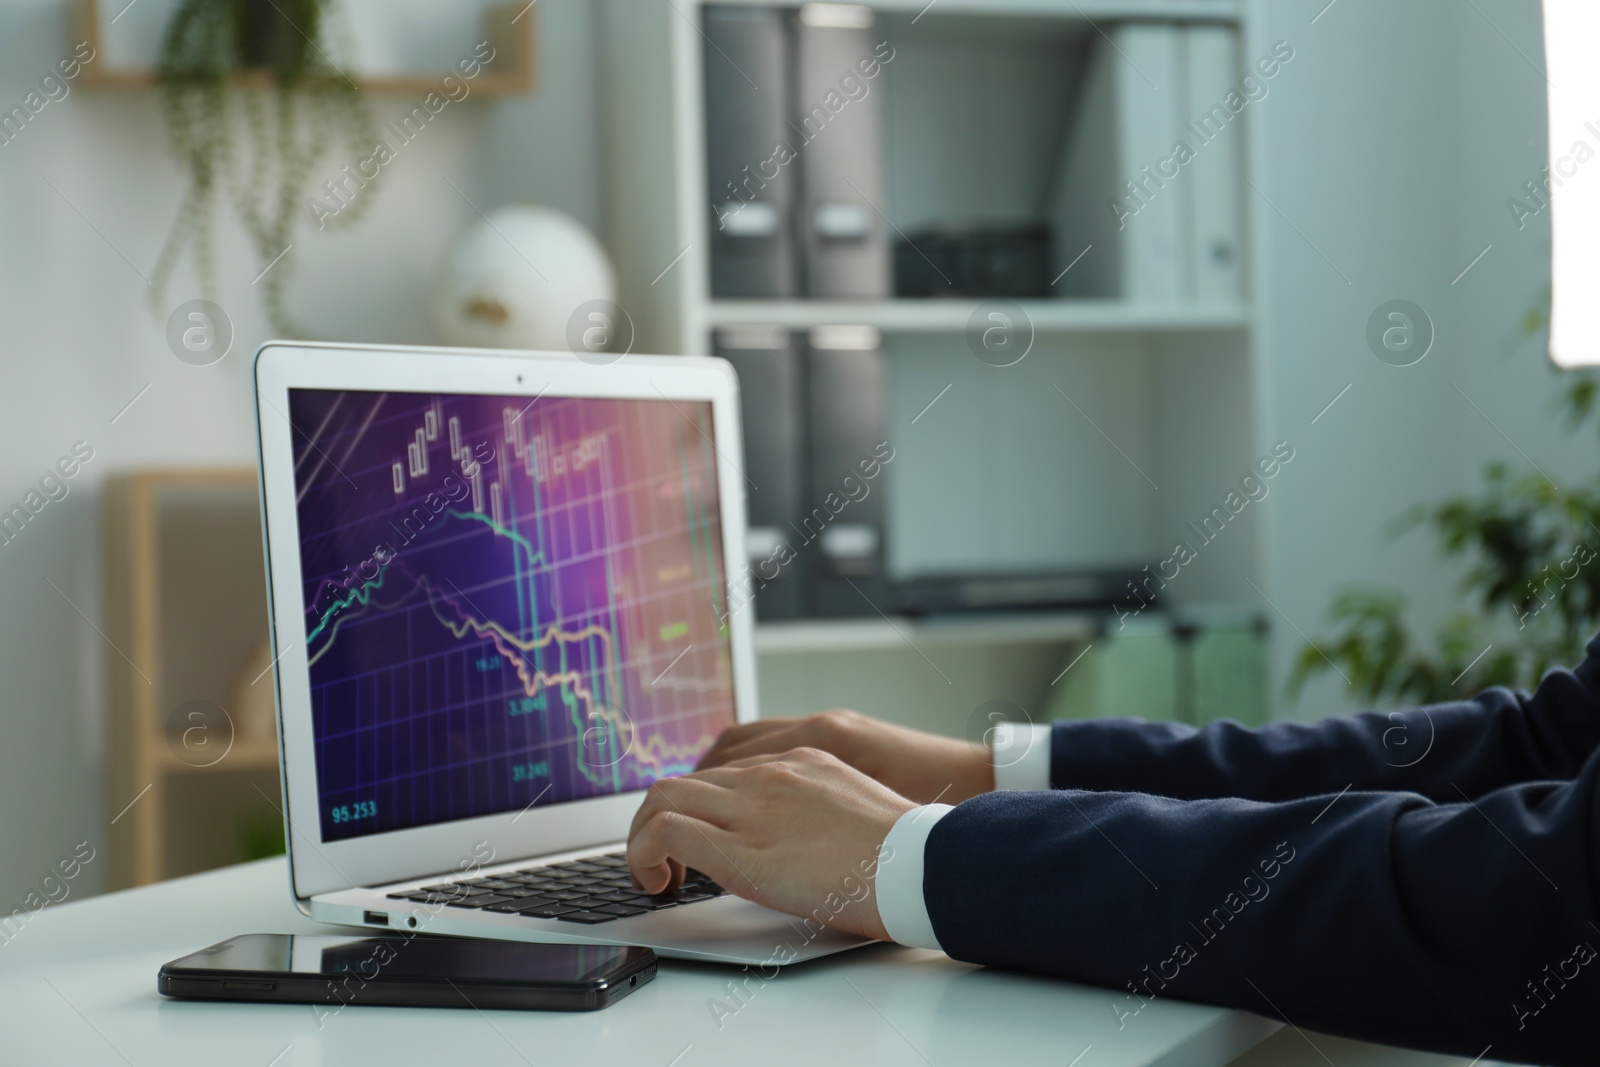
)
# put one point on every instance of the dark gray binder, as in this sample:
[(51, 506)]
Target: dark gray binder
[(847, 378), (748, 76), (768, 360), (844, 237)]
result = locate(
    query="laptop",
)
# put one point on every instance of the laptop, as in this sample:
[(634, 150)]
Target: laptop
[(504, 601)]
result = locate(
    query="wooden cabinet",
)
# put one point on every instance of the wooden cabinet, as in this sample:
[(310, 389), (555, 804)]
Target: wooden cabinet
[(192, 756)]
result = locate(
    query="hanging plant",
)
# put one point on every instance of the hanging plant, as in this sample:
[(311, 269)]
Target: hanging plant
[(261, 68)]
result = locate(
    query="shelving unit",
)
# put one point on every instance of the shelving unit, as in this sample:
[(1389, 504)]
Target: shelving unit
[(952, 316), (864, 635), (1085, 10), (185, 608), (1054, 462), (509, 28)]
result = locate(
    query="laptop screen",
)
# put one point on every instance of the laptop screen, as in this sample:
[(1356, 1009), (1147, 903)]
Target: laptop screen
[(508, 602)]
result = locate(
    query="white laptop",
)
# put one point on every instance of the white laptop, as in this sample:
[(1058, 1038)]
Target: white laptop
[(503, 590)]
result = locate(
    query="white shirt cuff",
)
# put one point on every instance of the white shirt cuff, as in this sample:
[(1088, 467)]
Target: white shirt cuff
[(1021, 757), (898, 882)]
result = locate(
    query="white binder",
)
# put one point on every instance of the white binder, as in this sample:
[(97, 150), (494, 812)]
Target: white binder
[(1111, 198), (1214, 177)]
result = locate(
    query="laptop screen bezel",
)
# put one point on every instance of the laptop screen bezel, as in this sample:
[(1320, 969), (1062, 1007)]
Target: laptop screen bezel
[(463, 844)]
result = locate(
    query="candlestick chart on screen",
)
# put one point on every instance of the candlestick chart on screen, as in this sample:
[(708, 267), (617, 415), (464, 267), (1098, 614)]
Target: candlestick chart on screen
[(509, 601)]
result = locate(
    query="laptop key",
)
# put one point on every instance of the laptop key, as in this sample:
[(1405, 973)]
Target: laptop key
[(419, 897), (689, 896), (525, 904), (621, 910), (589, 917), (588, 903), (481, 900), (618, 897)]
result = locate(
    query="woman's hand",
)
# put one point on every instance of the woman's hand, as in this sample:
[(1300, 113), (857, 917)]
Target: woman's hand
[(799, 832), (921, 766)]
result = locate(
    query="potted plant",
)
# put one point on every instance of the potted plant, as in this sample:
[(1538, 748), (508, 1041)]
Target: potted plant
[(253, 100)]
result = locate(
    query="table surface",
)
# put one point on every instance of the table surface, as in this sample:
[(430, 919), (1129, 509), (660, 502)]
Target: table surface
[(77, 985)]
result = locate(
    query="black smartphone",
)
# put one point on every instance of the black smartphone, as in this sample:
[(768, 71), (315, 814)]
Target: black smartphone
[(413, 971)]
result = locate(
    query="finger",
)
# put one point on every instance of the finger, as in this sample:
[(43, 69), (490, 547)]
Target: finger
[(717, 776), (740, 734), (777, 741), (669, 836), (675, 877), (757, 760), (690, 795)]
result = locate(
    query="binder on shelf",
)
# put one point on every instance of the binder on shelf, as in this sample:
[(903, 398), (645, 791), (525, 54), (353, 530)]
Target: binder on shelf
[(748, 73), (839, 140), (847, 378), (770, 366), (1112, 197), (1215, 175)]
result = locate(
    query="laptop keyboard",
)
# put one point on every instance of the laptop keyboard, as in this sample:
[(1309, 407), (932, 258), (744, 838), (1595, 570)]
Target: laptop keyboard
[(596, 889)]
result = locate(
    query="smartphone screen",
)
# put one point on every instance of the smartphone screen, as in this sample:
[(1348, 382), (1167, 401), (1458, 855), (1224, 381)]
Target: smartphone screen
[(373, 959)]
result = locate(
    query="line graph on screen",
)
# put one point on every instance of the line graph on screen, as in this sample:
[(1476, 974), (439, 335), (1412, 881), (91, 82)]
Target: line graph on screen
[(532, 610)]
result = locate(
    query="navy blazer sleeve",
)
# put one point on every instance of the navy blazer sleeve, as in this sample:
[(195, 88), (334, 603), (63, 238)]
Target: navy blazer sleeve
[(1456, 921), (1495, 739)]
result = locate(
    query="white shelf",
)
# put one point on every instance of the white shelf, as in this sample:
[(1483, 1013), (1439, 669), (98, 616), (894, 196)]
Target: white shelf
[(1184, 10), (946, 316), (877, 634)]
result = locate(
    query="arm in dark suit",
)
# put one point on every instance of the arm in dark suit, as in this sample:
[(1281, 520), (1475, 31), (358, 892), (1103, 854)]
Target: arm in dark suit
[(1497, 738), (1390, 917)]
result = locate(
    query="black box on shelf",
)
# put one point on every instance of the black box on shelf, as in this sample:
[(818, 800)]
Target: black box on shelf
[(974, 261), (1011, 591)]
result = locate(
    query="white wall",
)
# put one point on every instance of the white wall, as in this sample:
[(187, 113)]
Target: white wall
[(1390, 145), (78, 340)]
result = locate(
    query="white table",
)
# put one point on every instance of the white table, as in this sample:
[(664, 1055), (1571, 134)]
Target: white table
[(77, 986)]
